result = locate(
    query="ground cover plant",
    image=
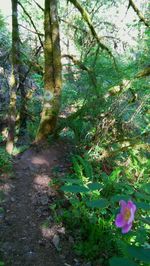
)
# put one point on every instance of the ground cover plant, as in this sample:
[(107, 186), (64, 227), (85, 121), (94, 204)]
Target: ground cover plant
[(94, 198)]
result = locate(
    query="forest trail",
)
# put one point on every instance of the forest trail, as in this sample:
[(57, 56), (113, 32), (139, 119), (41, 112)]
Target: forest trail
[(25, 238)]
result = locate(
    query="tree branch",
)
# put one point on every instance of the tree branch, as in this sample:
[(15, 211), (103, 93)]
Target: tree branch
[(85, 68), (39, 5), (138, 12), (144, 73), (73, 26), (88, 21), (39, 33), (27, 14)]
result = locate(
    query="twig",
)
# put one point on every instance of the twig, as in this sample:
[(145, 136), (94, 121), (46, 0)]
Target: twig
[(27, 14), (41, 34)]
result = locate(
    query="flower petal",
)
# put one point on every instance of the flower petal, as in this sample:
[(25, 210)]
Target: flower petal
[(126, 228), (123, 205), (132, 206), (120, 222)]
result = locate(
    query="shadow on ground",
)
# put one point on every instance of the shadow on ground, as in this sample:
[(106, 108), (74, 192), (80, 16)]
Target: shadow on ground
[(28, 232)]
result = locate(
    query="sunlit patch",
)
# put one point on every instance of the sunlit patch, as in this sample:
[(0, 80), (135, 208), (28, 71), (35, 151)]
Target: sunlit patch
[(40, 161), (42, 180), (6, 188), (49, 232)]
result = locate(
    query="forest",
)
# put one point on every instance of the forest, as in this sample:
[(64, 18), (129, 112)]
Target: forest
[(75, 133)]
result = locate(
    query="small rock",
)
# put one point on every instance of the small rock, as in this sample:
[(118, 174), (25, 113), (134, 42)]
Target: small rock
[(62, 257), (42, 243), (71, 240), (61, 230), (44, 199), (33, 168), (30, 255), (6, 247), (12, 199), (45, 213), (88, 264), (77, 263), (50, 218), (25, 168), (8, 221), (2, 216), (56, 241)]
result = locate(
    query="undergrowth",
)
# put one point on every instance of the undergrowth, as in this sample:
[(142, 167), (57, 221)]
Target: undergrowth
[(93, 191), (5, 161)]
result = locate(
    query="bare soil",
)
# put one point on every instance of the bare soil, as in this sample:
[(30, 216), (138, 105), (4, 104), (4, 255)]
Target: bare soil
[(29, 234)]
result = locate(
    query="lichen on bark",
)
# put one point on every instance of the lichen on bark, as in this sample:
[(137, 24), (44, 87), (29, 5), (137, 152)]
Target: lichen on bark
[(52, 75), (14, 80)]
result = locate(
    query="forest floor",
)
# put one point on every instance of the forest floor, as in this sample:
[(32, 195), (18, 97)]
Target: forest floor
[(29, 234)]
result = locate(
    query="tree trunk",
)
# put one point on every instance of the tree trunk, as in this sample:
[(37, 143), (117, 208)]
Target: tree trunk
[(52, 75), (14, 81), (23, 73)]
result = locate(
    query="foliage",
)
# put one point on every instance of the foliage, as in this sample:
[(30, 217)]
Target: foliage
[(5, 161), (4, 34), (94, 197), (105, 110)]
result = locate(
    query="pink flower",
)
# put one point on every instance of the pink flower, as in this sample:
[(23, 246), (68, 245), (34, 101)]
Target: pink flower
[(125, 218)]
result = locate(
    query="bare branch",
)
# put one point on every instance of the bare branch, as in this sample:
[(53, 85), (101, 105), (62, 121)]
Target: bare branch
[(39, 33), (39, 5)]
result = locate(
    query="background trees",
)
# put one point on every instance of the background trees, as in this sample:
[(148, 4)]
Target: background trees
[(84, 74)]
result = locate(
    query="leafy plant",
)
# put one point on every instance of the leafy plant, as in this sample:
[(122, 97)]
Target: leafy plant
[(5, 161), (94, 199)]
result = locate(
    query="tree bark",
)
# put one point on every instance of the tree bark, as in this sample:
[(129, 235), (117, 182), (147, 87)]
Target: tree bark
[(14, 81), (52, 75)]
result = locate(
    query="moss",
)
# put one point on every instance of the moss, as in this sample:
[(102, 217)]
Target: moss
[(52, 76)]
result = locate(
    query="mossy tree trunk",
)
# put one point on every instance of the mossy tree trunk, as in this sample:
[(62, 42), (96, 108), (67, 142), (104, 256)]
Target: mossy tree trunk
[(52, 75), (23, 73), (14, 80)]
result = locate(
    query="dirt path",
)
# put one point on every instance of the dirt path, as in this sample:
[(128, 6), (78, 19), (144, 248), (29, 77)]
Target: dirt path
[(28, 233)]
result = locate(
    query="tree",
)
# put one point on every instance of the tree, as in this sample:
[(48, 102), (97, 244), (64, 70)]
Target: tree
[(14, 81), (52, 75)]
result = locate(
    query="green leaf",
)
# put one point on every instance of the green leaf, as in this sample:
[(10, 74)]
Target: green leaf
[(87, 167), (146, 188), (71, 180), (114, 175), (142, 196), (74, 189), (116, 261), (117, 198), (146, 220), (143, 205), (101, 203), (95, 186), (139, 253)]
